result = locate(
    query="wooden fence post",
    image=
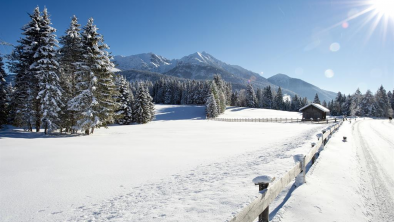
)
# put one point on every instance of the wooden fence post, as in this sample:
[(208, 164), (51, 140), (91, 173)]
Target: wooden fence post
[(314, 155), (263, 182)]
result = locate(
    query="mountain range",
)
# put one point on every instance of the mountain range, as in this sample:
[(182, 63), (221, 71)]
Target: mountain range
[(203, 66)]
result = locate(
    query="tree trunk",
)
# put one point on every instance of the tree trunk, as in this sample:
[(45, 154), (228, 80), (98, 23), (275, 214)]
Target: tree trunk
[(87, 131)]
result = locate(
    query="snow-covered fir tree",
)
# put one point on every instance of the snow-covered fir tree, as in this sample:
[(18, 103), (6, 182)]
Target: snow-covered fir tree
[(94, 102), (368, 104), (46, 68), (324, 103), (3, 95), (211, 106), (70, 59), (355, 106), (124, 113), (392, 100), (382, 103), (316, 99), (268, 98), (143, 108), (251, 99), (24, 104), (278, 100)]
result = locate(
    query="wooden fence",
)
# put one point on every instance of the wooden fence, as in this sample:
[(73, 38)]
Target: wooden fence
[(277, 120), (268, 195)]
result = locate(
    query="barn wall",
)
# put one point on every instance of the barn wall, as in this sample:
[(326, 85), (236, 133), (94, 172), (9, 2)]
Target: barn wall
[(313, 112)]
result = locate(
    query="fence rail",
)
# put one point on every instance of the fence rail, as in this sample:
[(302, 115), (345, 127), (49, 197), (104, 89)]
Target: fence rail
[(278, 120), (268, 195)]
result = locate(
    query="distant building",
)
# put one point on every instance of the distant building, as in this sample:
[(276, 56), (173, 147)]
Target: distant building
[(314, 111)]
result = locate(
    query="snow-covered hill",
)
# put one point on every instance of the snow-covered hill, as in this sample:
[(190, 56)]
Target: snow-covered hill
[(301, 87)]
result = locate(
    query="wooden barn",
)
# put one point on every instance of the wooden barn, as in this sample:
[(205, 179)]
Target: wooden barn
[(315, 111)]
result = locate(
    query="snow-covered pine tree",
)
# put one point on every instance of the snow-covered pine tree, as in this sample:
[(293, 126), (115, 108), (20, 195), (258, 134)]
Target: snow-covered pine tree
[(368, 104), (316, 99), (268, 98), (168, 94), (392, 100), (278, 100), (355, 105), (45, 67), (124, 113), (211, 106), (24, 104), (234, 99), (70, 58), (295, 103), (346, 105), (94, 101), (324, 103), (251, 100), (382, 102), (143, 108), (3, 95)]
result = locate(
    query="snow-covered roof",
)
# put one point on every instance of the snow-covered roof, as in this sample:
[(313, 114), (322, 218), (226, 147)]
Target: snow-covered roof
[(322, 108)]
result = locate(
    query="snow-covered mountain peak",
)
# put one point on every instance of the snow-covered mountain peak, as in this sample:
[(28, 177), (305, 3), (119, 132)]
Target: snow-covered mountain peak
[(145, 61)]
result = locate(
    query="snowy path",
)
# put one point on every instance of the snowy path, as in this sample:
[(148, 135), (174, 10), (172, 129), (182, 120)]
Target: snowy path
[(375, 144), (352, 180)]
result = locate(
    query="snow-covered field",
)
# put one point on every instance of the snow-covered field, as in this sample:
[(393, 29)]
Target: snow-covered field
[(244, 112), (180, 167), (352, 181)]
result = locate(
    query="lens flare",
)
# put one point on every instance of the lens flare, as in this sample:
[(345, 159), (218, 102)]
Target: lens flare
[(329, 73), (345, 25), (334, 47)]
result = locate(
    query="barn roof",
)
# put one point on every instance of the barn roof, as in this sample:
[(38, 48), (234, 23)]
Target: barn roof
[(322, 108)]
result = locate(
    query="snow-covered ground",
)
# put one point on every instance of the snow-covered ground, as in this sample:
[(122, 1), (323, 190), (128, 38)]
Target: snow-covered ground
[(244, 112), (180, 167), (352, 180)]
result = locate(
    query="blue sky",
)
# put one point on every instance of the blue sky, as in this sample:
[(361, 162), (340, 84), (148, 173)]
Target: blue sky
[(266, 36)]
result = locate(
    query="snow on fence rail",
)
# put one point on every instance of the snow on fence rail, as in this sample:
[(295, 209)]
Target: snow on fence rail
[(260, 206), (278, 120)]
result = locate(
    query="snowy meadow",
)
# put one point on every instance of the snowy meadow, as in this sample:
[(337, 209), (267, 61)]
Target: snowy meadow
[(180, 166)]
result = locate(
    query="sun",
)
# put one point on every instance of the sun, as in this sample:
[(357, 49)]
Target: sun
[(384, 7)]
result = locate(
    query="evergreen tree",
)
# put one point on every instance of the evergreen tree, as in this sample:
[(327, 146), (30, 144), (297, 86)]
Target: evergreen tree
[(251, 100), (124, 114), (45, 67), (94, 102), (392, 100), (70, 59), (382, 102), (355, 106), (234, 99), (278, 100), (324, 103), (143, 108), (25, 105), (316, 99), (211, 106), (267, 98), (3, 95), (368, 104)]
